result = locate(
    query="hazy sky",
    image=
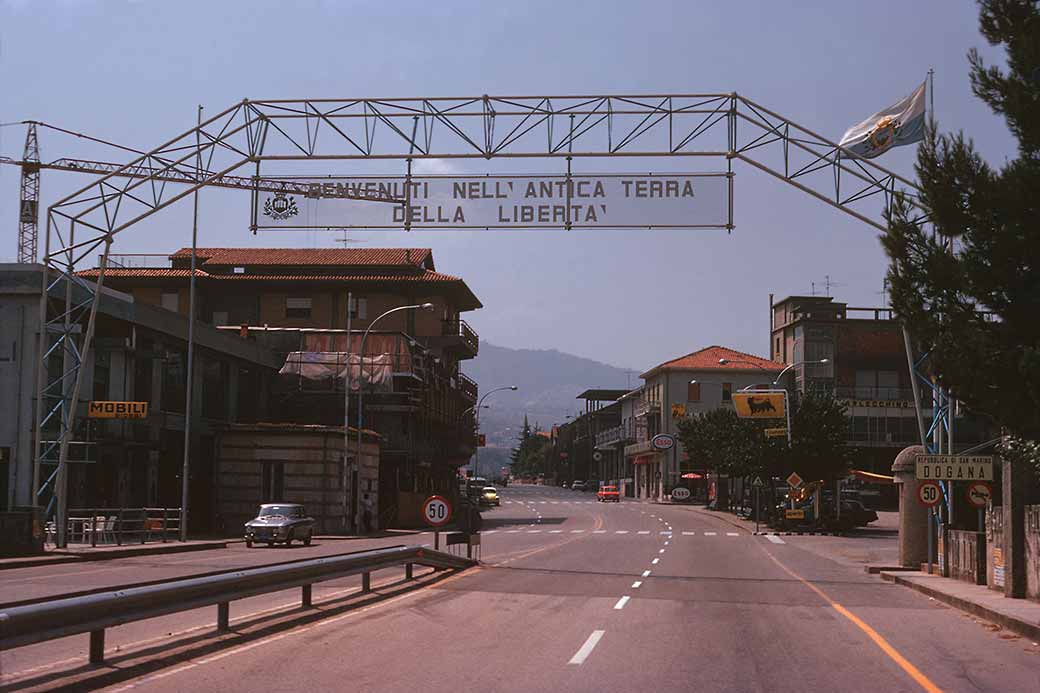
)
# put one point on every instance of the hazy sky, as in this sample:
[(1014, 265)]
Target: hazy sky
[(135, 72)]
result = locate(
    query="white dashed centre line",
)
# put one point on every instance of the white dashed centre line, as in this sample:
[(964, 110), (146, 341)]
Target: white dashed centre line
[(621, 603), (689, 534), (646, 573), (582, 654), (577, 531), (655, 561), (709, 534), (661, 551), (732, 534), (775, 539), (555, 531), (621, 531), (644, 531), (636, 584), (599, 531)]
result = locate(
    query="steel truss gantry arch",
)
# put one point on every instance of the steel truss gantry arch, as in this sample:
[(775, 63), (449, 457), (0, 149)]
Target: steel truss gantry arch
[(726, 126)]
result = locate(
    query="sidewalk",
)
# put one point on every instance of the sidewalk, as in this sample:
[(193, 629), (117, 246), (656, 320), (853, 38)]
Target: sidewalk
[(82, 553), (1019, 615)]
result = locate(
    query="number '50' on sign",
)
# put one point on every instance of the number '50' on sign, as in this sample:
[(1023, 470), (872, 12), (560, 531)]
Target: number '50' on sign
[(436, 511), (929, 493)]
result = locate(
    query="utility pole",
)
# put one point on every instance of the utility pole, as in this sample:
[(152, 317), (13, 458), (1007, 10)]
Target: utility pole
[(28, 211)]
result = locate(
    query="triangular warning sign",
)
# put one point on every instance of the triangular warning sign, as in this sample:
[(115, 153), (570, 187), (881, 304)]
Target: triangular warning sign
[(757, 481)]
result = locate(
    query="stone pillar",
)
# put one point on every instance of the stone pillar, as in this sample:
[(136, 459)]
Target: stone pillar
[(1015, 480), (913, 517)]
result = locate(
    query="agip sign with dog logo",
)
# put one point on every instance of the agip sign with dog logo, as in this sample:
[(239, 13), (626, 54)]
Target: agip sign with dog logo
[(760, 405)]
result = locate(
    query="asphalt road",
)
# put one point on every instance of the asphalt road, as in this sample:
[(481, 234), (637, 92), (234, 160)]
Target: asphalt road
[(572, 595)]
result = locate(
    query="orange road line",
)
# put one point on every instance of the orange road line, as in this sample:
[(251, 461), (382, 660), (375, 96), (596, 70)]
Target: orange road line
[(923, 681)]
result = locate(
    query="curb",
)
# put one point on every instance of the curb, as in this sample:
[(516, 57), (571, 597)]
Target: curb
[(799, 534), (1025, 628), (57, 557)]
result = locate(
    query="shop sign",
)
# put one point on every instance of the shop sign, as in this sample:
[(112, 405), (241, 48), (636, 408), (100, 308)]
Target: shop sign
[(117, 410)]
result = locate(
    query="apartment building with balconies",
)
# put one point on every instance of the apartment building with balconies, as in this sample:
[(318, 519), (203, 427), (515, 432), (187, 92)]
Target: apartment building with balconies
[(298, 303)]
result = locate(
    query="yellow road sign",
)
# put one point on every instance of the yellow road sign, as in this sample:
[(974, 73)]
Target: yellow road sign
[(117, 410), (775, 432), (760, 405), (794, 514)]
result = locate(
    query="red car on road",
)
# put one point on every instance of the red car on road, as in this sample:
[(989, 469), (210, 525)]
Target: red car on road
[(608, 493)]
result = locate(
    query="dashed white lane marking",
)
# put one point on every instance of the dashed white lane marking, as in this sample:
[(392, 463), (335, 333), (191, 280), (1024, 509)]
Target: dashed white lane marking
[(661, 551), (621, 531), (488, 531), (590, 644), (644, 531), (710, 534), (636, 584), (667, 543), (555, 531), (732, 534), (689, 534), (655, 561), (775, 539), (646, 573), (577, 531), (599, 531), (665, 532), (621, 603), (512, 531), (534, 531)]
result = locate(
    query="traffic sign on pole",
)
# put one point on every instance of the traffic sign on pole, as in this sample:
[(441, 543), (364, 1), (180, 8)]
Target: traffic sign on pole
[(436, 511), (929, 493), (794, 481), (979, 493)]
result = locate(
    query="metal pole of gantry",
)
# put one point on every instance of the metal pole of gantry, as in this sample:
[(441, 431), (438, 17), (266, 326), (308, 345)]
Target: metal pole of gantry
[(346, 417), (188, 394)]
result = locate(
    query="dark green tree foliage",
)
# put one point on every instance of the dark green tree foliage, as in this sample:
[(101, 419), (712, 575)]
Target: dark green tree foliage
[(720, 441), (529, 457), (978, 309)]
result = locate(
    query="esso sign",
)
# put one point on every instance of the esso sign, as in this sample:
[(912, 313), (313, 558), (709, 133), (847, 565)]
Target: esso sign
[(680, 493), (929, 493), (662, 441), (436, 511)]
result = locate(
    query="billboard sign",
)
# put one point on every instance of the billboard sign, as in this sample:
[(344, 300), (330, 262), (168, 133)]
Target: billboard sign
[(618, 201), (955, 467), (760, 405)]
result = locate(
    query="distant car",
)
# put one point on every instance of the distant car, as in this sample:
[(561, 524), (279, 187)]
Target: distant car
[(578, 486), (564, 485), (489, 496), (607, 494), (858, 515), (280, 523)]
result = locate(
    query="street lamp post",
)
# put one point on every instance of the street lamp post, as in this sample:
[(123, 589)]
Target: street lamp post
[(361, 397), (479, 406)]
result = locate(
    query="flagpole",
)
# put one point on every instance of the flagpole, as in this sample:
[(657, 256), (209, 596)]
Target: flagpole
[(931, 93)]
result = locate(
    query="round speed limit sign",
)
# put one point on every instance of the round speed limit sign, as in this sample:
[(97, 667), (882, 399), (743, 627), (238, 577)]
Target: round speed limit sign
[(436, 511), (929, 493)]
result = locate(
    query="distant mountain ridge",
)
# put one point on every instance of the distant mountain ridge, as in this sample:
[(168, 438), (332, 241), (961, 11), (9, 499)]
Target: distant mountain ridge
[(549, 382)]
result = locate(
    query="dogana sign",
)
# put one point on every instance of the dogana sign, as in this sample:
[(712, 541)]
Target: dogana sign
[(955, 467)]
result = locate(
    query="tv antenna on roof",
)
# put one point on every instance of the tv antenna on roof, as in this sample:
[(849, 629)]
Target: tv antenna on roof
[(346, 240), (827, 285)]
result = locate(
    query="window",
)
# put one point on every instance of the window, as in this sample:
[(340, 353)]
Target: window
[(693, 392), (297, 307), (272, 481), (727, 392), (777, 352), (238, 270), (359, 308), (170, 300)]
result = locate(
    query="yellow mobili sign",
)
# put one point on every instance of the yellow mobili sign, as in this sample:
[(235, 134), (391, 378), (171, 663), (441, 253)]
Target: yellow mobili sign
[(117, 410), (760, 405)]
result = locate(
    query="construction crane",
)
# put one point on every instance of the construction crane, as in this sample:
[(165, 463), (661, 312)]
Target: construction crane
[(28, 213)]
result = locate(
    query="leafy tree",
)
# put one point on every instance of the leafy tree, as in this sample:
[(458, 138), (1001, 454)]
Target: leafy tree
[(977, 308)]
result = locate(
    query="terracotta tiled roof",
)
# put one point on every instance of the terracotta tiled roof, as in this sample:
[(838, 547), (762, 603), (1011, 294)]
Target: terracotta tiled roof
[(371, 257), (424, 277), (707, 359)]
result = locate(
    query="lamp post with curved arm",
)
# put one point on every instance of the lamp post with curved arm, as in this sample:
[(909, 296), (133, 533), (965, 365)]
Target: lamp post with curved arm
[(361, 397), (480, 405), (724, 361)]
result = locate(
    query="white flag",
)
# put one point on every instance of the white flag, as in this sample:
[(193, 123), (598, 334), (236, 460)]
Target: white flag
[(899, 124)]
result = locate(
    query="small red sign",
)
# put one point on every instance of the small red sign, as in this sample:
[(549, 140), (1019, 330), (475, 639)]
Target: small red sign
[(929, 494), (436, 511), (979, 493)]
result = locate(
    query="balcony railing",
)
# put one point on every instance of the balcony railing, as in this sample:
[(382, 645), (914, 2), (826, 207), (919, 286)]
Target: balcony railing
[(643, 407), (876, 394), (468, 388), (462, 330)]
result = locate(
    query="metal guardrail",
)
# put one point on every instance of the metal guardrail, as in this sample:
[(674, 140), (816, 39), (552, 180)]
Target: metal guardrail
[(62, 617)]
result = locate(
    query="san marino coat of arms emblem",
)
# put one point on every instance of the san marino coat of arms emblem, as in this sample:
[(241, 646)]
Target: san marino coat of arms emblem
[(280, 207)]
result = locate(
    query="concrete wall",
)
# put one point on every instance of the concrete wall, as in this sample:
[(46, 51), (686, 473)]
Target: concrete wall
[(312, 464), (19, 325)]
